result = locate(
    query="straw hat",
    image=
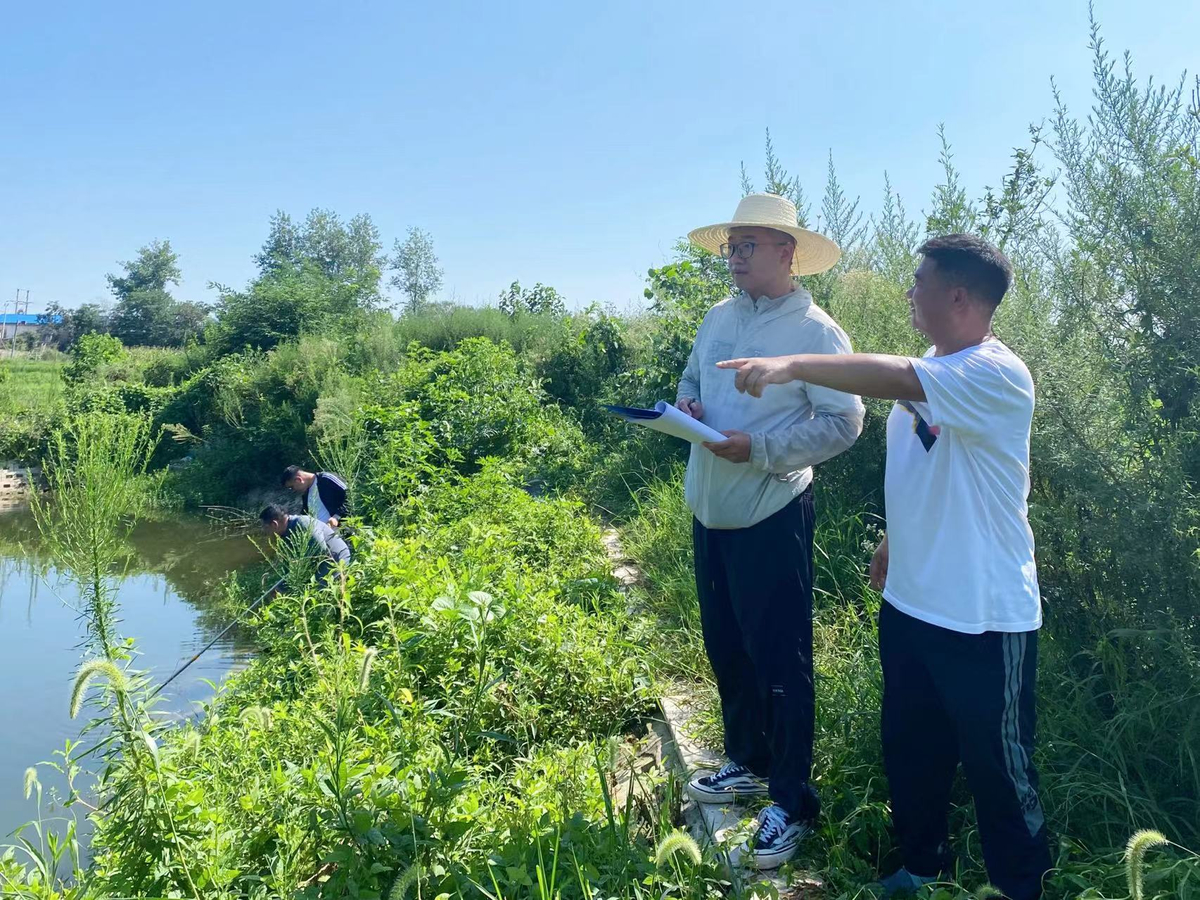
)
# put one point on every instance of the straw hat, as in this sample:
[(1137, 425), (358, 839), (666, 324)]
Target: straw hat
[(814, 252)]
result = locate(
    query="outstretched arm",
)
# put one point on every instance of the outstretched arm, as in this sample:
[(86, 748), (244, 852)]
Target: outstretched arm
[(866, 374)]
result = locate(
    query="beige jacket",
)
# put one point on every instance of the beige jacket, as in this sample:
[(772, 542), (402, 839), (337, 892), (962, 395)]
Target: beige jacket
[(792, 426)]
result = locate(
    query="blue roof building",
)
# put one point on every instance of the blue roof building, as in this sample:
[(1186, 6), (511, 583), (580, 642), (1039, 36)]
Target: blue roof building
[(19, 323), (22, 319)]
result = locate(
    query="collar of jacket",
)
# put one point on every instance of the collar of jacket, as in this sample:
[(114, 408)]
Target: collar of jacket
[(765, 309)]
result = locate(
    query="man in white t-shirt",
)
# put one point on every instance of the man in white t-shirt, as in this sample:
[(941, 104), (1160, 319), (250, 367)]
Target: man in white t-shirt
[(958, 626)]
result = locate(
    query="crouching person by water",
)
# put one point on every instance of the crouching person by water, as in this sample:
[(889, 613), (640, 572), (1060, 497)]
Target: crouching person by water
[(324, 493), (322, 544)]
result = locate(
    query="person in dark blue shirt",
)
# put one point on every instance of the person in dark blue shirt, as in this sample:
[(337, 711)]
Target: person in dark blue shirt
[(324, 493)]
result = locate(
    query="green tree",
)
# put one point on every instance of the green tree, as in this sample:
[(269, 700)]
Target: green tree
[(895, 238), (140, 319), (145, 312), (680, 293), (777, 181), (186, 320), (62, 327), (273, 309), (952, 212), (156, 266), (418, 274), (841, 220), (319, 276), (89, 353), (283, 246), (538, 300), (1120, 450), (1014, 217), (344, 252)]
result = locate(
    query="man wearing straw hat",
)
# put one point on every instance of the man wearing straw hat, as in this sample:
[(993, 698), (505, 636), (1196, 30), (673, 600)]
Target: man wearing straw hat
[(752, 501)]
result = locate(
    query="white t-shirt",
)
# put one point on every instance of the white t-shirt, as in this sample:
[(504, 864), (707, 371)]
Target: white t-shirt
[(315, 507), (960, 546)]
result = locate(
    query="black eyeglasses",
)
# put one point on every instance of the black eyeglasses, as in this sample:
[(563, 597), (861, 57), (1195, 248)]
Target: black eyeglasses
[(745, 249)]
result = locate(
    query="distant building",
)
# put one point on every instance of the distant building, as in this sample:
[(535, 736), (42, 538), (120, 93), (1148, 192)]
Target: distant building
[(12, 324)]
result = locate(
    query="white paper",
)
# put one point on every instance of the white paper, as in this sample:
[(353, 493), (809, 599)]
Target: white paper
[(669, 420)]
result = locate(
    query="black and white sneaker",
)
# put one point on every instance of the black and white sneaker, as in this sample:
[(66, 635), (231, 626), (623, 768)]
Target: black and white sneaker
[(730, 783), (777, 838)]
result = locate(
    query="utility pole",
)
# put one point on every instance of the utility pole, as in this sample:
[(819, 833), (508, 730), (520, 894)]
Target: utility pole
[(16, 305), (15, 302), (12, 350)]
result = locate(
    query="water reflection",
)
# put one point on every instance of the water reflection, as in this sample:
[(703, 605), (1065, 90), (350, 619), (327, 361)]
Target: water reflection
[(165, 599)]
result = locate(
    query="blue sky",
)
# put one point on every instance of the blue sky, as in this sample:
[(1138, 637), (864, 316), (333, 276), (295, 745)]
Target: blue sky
[(565, 143)]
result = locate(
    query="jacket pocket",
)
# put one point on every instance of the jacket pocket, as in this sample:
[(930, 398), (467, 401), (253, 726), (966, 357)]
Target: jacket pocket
[(716, 351)]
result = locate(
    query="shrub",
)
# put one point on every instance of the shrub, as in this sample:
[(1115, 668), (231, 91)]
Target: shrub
[(89, 353)]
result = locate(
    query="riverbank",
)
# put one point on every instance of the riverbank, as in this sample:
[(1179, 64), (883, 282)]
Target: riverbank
[(17, 483)]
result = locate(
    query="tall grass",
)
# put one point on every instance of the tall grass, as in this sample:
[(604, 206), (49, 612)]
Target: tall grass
[(30, 385), (445, 328), (93, 470), (1116, 747), (31, 399)]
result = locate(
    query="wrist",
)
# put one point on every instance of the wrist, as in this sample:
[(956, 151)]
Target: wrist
[(795, 367)]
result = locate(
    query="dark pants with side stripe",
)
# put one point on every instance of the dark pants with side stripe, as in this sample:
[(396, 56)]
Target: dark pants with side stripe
[(950, 697), (755, 590)]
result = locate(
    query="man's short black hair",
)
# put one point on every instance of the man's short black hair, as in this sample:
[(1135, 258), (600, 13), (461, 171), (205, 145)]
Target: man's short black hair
[(288, 474), (271, 513), (971, 262)]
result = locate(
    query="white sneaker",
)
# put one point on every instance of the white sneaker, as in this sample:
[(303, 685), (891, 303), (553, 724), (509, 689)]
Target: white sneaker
[(777, 838), (729, 783)]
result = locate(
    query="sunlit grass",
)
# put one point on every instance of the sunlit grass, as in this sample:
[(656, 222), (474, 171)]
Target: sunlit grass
[(30, 386)]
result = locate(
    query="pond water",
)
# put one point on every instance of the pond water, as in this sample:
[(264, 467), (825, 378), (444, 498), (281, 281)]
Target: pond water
[(165, 603)]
